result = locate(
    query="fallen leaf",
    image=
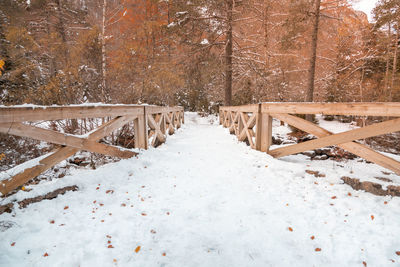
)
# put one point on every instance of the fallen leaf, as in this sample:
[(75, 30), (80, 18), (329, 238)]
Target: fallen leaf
[(101, 204), (141, 199), (110, 246), (364, 263), (94, 202), (164, 254), (52, 221), (108, 236), (109, 191), (317, 249), (385, 202), (137, 249), (287, 204), (13, 244), (66, 207), (312, 237), (109, 242), (97, 188), (398, 253), (334, 197), (46, 254), (349, 194), (123, 205), (144, 214), (114, 260), (168, 213), (372, 217), (290, 229), (153, 231)]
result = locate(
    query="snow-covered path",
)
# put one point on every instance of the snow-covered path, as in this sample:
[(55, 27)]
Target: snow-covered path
[(204, 199)]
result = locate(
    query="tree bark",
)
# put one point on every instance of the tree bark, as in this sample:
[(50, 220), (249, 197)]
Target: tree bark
[(386, 88), (228, 55), (313, 57), (396, 46), (103, 53)]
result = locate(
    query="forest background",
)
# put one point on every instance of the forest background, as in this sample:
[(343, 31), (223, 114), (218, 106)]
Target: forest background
[(198, 53)]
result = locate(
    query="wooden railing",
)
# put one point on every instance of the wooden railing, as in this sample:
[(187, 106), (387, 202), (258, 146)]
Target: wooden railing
[(149, 122), (254, 124)]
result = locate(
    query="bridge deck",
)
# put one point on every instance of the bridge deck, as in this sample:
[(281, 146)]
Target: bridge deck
[(204, 199)]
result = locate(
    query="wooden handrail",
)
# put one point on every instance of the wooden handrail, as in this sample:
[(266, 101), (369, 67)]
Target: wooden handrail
[(147, 120), (238, 118)]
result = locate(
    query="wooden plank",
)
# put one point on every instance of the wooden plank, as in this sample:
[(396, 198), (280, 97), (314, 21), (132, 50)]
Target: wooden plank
[(50, 136), (140, 129), (391, 109), (340, 138), (21, 114), (30, 173), (264, 132), (244, 108), (58, 156), (355, 148)]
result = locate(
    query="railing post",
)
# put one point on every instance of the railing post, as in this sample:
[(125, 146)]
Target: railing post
[(140, 128), (264, 130)]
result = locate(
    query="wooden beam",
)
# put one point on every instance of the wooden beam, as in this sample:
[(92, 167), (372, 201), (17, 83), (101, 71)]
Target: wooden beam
[(264, 132), (58, 156), (21, 114), (355, 148), (391, 109), (338, 139), (54, 137)]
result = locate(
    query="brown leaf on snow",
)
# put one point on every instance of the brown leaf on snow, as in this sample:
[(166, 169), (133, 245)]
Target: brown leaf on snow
[(108, 236), (66, 207), (13, 244), (144, 214), (312, 237), (398, 253), (317, 249), (290, 229), (164, 254), (137, 249), (153, 231), (349, 194), (372, 217), (45, 254), (364, 263), (109, 191), (110, 246), (52, 221), (385, 202), (109, 242), (334, 197), (123, 205), (168, 213)]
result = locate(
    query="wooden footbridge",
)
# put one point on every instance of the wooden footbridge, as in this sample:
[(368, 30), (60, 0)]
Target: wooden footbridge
[(251, 123)]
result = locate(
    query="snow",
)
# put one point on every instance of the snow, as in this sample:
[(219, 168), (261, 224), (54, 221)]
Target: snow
[(205, 199), (366, 6), (20, 168), (204, 42)]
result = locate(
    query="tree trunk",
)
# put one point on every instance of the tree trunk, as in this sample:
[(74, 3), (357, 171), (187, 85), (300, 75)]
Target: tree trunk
[(313, 57), (386, 88), (266, 33), (228, 55), (103, 54), (396, 46)]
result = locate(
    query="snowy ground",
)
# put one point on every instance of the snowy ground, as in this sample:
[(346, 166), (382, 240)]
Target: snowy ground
[(204, 199)]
